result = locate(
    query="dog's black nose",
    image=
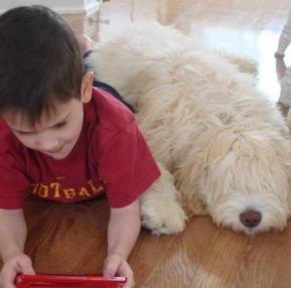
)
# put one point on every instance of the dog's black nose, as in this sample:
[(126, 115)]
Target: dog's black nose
[(250, 218)]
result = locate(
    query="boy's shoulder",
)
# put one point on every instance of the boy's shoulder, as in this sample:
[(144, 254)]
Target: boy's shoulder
[(107, 118), (111, 112)]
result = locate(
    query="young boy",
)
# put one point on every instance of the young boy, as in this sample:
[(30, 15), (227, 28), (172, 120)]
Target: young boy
[(62, 139)]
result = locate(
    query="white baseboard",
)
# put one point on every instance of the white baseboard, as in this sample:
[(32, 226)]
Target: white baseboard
[(62, 10), (77, 10), (69, 10)]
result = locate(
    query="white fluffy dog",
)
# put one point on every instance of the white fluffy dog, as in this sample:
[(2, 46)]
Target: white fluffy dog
[(222, 148)]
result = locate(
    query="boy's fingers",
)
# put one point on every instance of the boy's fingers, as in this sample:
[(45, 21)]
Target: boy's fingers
[(129, 283), (7, 285), (8, 278), (125, 270), (26, 266), (19, 264), (111, 266), (110, 269), (114, 265)]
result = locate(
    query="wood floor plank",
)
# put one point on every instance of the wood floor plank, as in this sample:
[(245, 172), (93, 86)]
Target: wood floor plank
[(181, 262), (68, 236)]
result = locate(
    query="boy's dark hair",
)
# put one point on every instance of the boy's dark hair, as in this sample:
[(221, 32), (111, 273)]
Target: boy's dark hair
[(40, 61)]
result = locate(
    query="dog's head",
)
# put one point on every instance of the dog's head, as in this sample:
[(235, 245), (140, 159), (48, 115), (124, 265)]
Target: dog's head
[(248, 189)]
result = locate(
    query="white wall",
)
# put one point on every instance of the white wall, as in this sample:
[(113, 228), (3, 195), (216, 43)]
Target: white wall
[(60, 6)]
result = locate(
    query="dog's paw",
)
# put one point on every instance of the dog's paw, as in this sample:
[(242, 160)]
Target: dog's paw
[(169, 219)]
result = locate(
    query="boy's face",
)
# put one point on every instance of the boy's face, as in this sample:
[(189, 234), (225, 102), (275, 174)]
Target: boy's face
[(57, 133)]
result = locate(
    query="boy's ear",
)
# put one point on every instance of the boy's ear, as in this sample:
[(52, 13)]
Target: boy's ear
[(87, 86)]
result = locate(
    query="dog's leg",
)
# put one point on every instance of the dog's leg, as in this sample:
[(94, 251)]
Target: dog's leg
[(160, 206)]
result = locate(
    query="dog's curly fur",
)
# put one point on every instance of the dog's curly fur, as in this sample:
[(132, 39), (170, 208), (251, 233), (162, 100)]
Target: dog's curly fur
[(222, 147)]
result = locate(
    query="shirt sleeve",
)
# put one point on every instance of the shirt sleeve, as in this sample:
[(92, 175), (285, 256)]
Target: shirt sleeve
[(127, 166), (13, 182)]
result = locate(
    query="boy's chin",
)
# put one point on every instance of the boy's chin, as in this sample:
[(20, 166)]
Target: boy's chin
[(59, 155)]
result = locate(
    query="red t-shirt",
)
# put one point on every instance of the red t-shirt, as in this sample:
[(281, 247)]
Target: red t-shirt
[(110, 156)]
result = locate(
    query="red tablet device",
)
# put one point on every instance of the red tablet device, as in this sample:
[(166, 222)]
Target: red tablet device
[(68, 281)]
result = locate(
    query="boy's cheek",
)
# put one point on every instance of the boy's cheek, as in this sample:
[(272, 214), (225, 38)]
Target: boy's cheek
[(29, 143)]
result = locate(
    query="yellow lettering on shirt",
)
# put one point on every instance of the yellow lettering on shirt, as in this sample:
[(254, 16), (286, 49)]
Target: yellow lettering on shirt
[(84, 192), (43, 191), (56, 189), (35, 188), (70, 193), (95, 189)]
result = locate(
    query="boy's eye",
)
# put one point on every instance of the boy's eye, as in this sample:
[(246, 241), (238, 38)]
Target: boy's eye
[(59, 125), (23, 133)]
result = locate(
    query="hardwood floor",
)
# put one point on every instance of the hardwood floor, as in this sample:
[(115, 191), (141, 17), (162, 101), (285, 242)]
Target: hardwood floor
[(72, 238)]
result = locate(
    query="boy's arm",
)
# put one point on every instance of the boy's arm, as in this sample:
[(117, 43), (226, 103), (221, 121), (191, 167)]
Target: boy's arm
[(12, 233), (123, 230), (12, 239)]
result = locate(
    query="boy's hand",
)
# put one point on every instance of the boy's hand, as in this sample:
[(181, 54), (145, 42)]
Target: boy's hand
[(19, 263), (116, 265)]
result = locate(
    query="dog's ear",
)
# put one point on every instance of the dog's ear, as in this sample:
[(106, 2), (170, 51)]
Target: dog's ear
[(209, 147)]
